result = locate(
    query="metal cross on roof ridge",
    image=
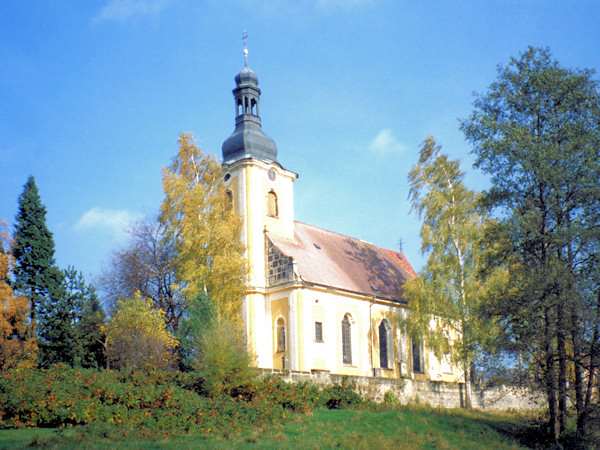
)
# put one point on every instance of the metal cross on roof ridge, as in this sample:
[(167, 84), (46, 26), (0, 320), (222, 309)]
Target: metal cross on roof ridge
[(245, 38)]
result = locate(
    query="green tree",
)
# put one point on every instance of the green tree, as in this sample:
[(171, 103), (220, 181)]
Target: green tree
[(90, 329), (35, 273), (136, 335), (18, 348), (70, 328), (445, 298), (537, 133), (222, 357), (57, 317), (195, 321), (198, 216)]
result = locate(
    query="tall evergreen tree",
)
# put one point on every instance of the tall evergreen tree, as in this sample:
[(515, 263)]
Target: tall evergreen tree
[(537, 133), (35, 274)]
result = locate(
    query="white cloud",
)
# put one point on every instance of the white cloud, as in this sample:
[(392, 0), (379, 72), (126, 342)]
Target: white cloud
[(115, 221), (385, 142), (121, 10)]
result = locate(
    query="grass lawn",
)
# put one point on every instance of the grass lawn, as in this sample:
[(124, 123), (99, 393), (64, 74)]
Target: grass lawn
[(408, 427)]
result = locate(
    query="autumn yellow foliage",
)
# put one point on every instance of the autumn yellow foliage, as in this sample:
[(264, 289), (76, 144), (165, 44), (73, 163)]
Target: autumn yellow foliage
[(18, 348), (198, 214), (137, 335)]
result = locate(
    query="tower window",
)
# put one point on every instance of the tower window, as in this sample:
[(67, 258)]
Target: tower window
[(229, 195), (272, 208)]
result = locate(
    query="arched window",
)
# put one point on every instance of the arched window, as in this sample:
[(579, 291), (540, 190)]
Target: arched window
[(280, 335), (229, 198), (346, 340), (272, 208), (386, 345), (418, 361)]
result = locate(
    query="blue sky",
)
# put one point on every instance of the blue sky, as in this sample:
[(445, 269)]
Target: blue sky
[(93, 95)]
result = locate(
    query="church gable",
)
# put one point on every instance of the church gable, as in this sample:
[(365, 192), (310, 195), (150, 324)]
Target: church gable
[(330, 259)]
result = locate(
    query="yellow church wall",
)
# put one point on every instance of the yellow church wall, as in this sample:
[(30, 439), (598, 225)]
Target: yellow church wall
[(248, 314), (316, 304), (301, 330), (253, 222), (319, 359)]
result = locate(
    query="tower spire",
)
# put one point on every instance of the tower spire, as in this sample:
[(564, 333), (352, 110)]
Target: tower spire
[(248, 139)]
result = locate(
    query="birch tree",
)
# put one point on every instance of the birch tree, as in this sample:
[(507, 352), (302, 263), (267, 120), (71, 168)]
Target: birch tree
[(445, 297), (211, 271), (199, 217)]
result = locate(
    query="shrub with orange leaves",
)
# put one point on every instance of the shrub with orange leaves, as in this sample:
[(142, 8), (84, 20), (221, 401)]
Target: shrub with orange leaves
[(18, 347)]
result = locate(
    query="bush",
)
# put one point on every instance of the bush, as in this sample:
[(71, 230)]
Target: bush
[(144, 403), (223, 360), (300, 397), (148, 403), (342, 395), (390, 398)]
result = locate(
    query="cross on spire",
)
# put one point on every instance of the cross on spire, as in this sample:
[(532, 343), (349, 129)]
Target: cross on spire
[(245, 38)]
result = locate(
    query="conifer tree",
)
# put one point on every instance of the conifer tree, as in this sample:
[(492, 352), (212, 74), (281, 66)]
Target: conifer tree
[(36, 276), (70, 327), (90, 330)]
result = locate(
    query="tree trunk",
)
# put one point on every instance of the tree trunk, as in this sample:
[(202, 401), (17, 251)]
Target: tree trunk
[(583, 416), (468, 386), (552, 404), (549, 379), (562, 370)]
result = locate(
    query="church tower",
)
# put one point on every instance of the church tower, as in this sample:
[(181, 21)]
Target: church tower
[(262, 192)]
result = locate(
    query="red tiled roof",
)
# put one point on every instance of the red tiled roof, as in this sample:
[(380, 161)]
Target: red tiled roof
[(330, 259)]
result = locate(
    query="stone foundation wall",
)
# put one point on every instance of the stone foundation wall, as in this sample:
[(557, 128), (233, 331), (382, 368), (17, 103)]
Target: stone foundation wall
[(434, 393)]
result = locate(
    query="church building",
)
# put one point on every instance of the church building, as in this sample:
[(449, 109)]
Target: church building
[(316, 300)]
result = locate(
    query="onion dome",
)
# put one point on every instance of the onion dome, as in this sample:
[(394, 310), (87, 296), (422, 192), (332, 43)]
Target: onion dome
[(248, 139)]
